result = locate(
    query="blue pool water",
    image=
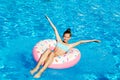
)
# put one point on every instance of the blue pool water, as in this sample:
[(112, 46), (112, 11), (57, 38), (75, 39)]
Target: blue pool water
[(22, 25)]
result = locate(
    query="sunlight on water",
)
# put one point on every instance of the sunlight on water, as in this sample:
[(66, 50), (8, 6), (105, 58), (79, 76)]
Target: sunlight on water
[(23, 24)]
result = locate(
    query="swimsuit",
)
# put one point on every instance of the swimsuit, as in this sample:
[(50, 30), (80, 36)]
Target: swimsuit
[(63, 47)]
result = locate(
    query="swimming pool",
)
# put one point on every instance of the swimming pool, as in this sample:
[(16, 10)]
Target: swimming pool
[(22, 25)]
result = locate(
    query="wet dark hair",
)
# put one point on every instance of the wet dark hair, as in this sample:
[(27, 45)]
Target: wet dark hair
[(68, 31)]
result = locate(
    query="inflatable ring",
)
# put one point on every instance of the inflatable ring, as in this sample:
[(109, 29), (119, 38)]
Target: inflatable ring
[(59, 62)]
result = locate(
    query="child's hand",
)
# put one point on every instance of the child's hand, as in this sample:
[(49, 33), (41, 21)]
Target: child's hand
[(97, 41), (46, 16)]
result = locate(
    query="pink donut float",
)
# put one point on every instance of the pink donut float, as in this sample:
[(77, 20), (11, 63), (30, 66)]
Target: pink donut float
[(60, 62)]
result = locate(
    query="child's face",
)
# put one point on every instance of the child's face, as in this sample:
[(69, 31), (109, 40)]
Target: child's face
[(66, 37)]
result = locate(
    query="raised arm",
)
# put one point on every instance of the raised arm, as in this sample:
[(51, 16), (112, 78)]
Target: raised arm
[(83, 41), (54, 28)]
